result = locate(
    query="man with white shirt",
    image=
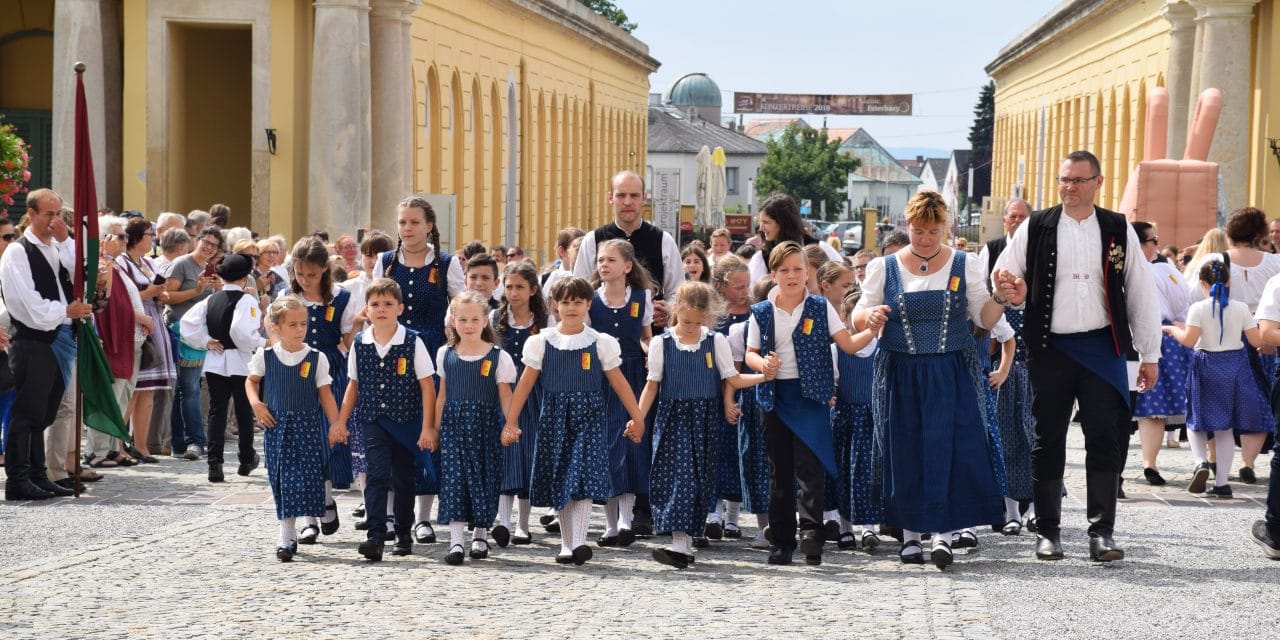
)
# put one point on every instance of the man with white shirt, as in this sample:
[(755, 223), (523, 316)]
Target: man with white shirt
[(1089, 301), (1015, 213), (35, 278)]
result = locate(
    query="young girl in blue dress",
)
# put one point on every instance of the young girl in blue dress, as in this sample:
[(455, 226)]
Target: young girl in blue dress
[(623, 308), (732, 281), (571, 454), (687, 365), (475, 386), (789, 338), (428, 279), (853, 432), (752, 458), (331, 314), (1222, 388), (523, 313), (832, 280), (292, 405)]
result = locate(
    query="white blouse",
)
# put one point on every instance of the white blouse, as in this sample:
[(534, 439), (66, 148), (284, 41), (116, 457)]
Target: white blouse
[(506, 366), (975, 287), (720, 347), (607, 347), (258, 363)]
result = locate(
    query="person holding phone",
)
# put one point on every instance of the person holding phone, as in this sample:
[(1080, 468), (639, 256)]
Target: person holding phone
[(188, 280)]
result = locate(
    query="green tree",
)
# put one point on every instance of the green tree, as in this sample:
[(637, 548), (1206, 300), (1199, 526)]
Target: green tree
[(981, 139), (804, 163), (611, 12)]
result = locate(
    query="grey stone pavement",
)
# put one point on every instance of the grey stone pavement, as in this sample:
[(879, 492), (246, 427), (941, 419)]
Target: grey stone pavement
[(156, 551)]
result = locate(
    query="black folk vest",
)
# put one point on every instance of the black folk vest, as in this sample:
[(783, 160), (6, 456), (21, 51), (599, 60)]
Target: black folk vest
[(647, 241), (222, 310), (46, 284)]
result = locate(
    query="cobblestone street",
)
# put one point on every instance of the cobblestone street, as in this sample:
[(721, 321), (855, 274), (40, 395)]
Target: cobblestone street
[(158, 552)]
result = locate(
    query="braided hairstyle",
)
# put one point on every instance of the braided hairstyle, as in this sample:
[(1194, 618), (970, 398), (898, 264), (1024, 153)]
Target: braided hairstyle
[(537, 304), (429, 215)]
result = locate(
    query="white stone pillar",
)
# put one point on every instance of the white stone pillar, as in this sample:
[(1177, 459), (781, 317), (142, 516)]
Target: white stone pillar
[(1226, 66), (338, 193), (409, 94), (1182, 30), (392, 128), (87, 31)]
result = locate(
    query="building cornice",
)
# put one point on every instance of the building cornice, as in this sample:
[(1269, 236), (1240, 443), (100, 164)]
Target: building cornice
[(573, 15), (1068, 15)]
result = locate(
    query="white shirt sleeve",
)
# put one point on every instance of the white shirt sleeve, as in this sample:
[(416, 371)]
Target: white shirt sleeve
[(975, 286), (835, 324), (378, 271), (258, 363), (724, 356), (506, 368), (672, 267), (1002, 332), (831, 252), (351, 363), (440, 356), (609, 350), (192, 327), (422, 366), (657, 358), (753, 334), (1269, 305), (757, 268), (323, 377), (872, 285), (67, 253), (984, 256), (21, 296), (585, 264), (349, 314), (246, 325), (1196, 314), (534, 348), (457, 281), (646, 318), (738, 341), (1140, 301), (1014, 257)]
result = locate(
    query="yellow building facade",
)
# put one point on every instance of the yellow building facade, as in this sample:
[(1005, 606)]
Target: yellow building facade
[(510, 115), (1080, 77)]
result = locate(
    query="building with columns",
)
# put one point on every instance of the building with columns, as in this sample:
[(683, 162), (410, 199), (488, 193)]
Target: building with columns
[(511, 115), (1078, 79)]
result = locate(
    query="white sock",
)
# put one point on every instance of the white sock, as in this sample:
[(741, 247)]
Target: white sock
[(833, 514), (424, 508), (680, 543), (288, 532), (909, 535), (1011, 510), (523, 509), (310, 521), (391, 504), (762, 521), (581, 519), (457, 534), (1031, 510), (845, 527), (504, 510), (329, 516), (732, 511), (713, 516), (626, 506), (611, 516), (1225, 447), (566, 528), (1199, 445), (943, 537), (479, 534)]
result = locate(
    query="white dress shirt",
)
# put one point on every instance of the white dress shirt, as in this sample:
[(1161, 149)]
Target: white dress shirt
[(457, 282), (246, 325), (24, 303), (1247, 283), (672, 265), (1171, 291), (258, 363), (784, 324), (1080, 302), (607, 348), (723, 355), (423, 367)]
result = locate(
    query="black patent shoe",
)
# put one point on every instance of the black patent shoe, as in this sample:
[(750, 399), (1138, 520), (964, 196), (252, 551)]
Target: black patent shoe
[(286, 553), (404, 547), (423, 533), (371, 550), (1153, 477), (456, 555), (732, 531), (780, 555), (501, 535), (700, 542), (966, 540), (1011, 528), (1048, 548), (521, 537), (309, 534), (811, 542), (331, 527), (911, 552), (1199, 477), (1247, 475), (362, 525), (714, 530), (671, 558), (608, 541), (248, 466), (1103, 549), (847, 541), (358, 512), (626, 537), (553, 526), (481, 552), (941, 555), (1222, 493), (581, 554), (830, 530)]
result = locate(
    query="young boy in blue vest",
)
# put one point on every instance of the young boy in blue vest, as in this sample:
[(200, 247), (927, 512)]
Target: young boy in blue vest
[(390, 382)]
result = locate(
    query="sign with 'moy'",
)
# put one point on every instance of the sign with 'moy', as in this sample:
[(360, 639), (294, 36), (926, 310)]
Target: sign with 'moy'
[(898, 104)]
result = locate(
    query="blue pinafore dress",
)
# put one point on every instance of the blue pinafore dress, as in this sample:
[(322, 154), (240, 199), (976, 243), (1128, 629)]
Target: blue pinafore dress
[(938, 461), (686, 434), (295, 446), (571, 455), (1013, 410), (853, 436), (517, 459), (426, 300), (324, 334), (728, 462), (470, 446), (752, 457), (628, 461)]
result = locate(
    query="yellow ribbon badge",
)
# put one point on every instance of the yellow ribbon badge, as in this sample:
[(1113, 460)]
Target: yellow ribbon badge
[(586, 362), (807, 328), (402, 365), (305, 371)]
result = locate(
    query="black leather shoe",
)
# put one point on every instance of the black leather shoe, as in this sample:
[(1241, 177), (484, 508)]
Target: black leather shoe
[(215, 473), (911, 552), (581, 554), (361, 525), (700, 542), (642, 522), (1153, 477), (24, 490), (67, 483), (286, 553), (371, 550), (331, 527), (309, 534), (247, 467), (553, 526), (1247, 475), (1199, 477), (941, 555), (714, 530), (56, 489), (830, 530), (424, 533), (813, 560), (501, 535), (811, 542), (546, 519), (1048, 548), (781, 555), (482, 552), (966, 540), (671, 558), (847, 541), (456, 555), (404, 547), (626, 537), (608, 541), (1103, 549)]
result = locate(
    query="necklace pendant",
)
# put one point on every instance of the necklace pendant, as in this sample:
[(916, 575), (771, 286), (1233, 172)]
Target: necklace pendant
[(924, 266)]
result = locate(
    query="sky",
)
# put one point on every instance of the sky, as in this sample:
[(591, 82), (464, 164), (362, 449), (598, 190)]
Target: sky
[(933, 49)]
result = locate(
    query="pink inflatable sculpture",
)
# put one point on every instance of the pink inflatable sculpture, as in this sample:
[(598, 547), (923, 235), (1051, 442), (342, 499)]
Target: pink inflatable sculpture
[(1179, 196)]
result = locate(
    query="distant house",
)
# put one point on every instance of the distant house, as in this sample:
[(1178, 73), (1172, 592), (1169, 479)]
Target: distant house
[(934, 174), (880, 182), (914, 165), (674, 141)]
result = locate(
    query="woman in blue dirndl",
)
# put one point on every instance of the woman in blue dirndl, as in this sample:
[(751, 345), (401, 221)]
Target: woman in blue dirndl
[(1017, 430), (937, 452), (742, 470)]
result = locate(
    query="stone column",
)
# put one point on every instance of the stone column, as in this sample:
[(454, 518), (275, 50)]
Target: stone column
[(391, 119), (339, 176), (409, 93), (1226, 66), (1181, 16), (87, 31)]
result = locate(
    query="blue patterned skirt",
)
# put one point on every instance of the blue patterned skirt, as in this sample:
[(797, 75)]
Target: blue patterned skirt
[(939, 463), (339, 457), (1168, 399), (1223, 393), (294, 451), (470, 462), (571, 456), (1017, 430), (728, 465), (752, 457), (628, 461), (854, 434), (517, 459), (686, 443)]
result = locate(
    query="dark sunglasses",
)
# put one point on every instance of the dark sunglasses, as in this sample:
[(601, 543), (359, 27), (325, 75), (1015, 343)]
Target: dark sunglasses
[(9, 237)]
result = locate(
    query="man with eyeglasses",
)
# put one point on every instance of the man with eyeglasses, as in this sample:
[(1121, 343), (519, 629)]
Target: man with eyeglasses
[(1089, 300)]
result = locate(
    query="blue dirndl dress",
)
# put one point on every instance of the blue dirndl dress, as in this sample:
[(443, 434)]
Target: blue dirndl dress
[(853, 435), (426, 300), (517, 459), (728, 462), (324, 334), (470, 445), (628, 461), (686, 435), (1224, 392), (571, 455), (1168, 398), (295, 446), (938, 460), (1013, 410)]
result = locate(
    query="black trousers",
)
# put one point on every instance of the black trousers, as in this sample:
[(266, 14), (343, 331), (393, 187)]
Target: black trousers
[(792, 467), (38, 391), (1058, 382), (390, 467), (222, 391)]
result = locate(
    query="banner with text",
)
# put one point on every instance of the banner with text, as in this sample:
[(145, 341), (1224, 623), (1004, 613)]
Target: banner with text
[(860, 105)]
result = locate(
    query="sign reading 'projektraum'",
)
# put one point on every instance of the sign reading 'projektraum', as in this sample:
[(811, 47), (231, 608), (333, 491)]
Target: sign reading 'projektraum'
[(860, 105)]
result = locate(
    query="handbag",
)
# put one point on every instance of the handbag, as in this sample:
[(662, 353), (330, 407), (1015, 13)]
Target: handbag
[(150, 357)]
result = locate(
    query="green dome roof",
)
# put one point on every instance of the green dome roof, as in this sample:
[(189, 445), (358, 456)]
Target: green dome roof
[(694, 90)]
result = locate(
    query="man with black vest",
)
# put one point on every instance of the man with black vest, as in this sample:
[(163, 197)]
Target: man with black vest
[(229, 324), (1089, 301), (655, 249), (35, 278)]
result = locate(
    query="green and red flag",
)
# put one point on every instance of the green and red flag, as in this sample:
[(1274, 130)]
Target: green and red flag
[(100, 411)]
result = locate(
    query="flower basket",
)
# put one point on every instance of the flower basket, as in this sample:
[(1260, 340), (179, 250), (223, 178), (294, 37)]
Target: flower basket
[(14, 161)]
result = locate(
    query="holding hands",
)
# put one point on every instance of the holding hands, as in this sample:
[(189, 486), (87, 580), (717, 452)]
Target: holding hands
[(337, 433), (510, 434), (877, 316), (771, 365), (1009, 288)]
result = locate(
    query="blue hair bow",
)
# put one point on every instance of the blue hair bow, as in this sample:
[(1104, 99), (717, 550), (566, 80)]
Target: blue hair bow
[(1220, 294)]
